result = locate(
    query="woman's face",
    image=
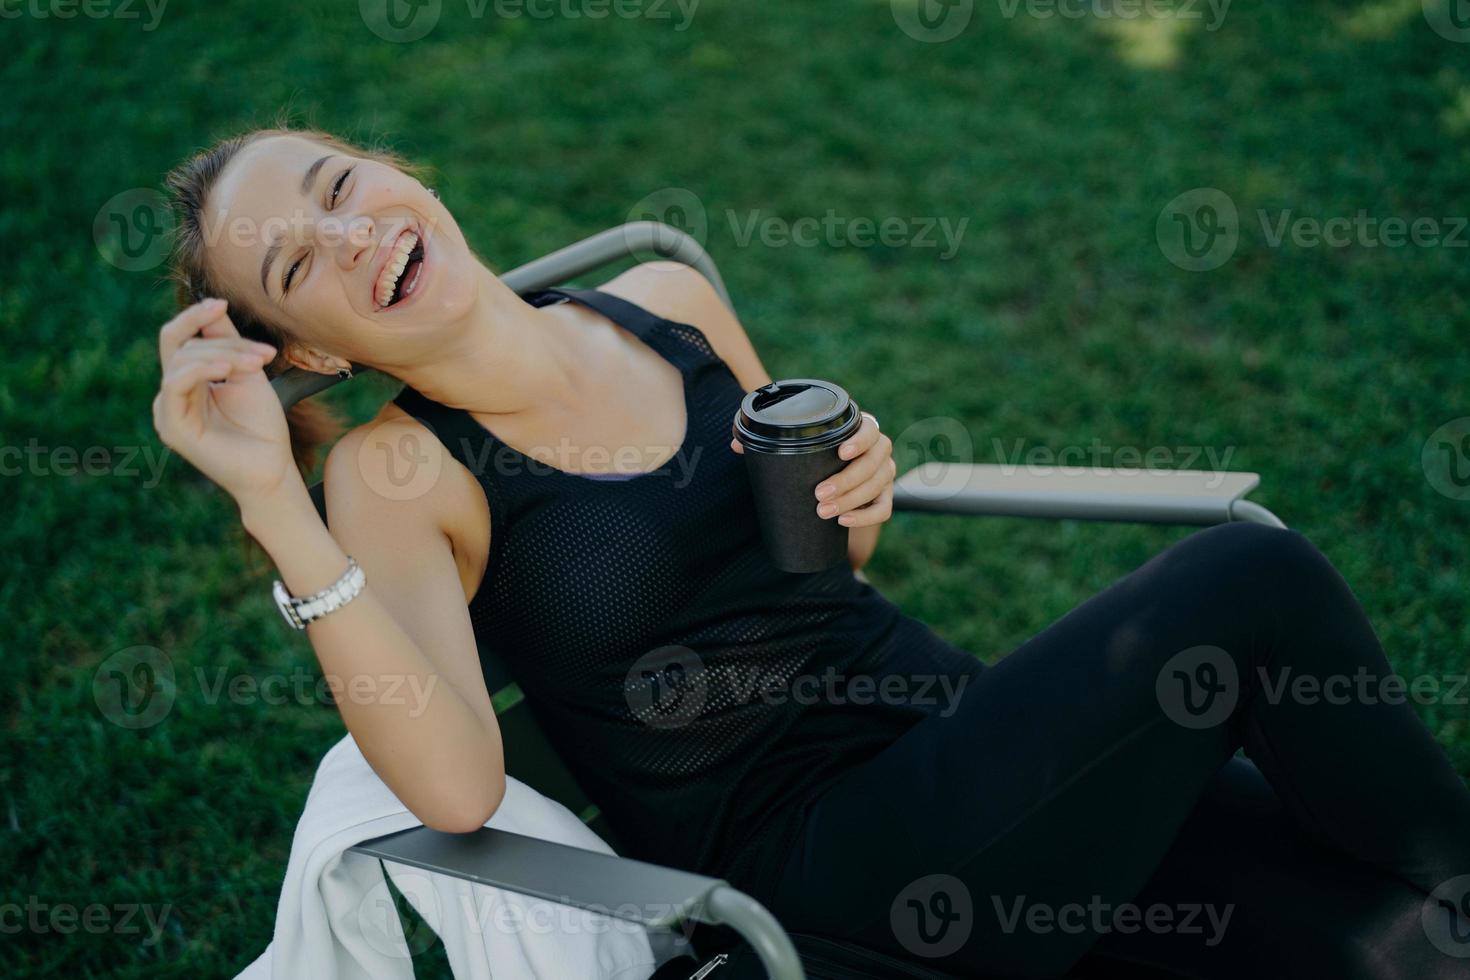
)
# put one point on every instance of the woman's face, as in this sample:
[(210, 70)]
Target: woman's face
[(349, 255)]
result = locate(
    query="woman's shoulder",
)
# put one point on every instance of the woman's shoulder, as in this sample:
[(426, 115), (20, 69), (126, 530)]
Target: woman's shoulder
[(671, 290), (682, 294), (394, 458), (393, 471)]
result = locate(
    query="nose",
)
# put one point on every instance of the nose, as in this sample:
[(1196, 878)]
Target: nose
[(359, 239)]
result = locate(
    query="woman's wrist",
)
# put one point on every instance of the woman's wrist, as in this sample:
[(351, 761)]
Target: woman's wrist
[(261, 513), (287, 525)]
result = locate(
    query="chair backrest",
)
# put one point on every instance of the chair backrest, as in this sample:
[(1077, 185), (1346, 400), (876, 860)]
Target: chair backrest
[(529, 755)]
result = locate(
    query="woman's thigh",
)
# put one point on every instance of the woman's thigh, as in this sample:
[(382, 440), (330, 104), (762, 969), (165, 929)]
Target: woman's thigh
[(986, 840)]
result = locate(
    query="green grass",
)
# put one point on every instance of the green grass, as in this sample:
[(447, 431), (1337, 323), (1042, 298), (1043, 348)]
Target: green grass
[(1058, 321)]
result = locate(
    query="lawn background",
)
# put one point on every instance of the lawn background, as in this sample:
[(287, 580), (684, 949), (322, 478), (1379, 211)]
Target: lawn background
[(1060, 321)]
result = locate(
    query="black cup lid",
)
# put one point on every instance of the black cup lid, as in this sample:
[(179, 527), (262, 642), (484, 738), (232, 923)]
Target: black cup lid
[(795, 409)]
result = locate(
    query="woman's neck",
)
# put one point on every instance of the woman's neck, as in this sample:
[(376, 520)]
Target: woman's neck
[(507, 357)]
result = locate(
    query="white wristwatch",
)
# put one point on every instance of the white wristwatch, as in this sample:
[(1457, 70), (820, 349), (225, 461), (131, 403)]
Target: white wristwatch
[(299, 612)]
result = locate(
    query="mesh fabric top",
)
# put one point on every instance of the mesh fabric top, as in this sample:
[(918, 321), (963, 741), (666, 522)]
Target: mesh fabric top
[(675, 669)]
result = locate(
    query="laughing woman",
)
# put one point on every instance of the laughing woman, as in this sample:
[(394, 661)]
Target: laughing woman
[(1055, 780)]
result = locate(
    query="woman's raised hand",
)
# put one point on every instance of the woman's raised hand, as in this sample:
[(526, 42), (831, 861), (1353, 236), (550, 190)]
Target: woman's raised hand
[(216, 407)]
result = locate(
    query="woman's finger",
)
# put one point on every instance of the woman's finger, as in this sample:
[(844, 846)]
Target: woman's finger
[(243, 360), (221, 326), (875, 513), (861, 495), (220, 345), (181, 385), (862, 440), (854, 475), (186, 324)]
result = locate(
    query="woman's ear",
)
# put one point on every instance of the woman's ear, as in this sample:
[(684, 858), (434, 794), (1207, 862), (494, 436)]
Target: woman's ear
[(311, 359)]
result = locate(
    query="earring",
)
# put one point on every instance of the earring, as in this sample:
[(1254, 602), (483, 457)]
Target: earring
[(434, 192), (343, 374)]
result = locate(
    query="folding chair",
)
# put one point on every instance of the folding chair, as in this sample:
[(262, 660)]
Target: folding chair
[(661, 898)]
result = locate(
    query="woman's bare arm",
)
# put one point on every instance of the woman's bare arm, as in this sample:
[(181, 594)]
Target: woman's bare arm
[(401, 657)]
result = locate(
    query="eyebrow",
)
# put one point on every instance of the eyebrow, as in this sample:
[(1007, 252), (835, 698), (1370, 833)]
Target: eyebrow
[(308, 183)]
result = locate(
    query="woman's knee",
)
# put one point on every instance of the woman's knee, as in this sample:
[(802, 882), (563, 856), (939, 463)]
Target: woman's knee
[(1271, 562)]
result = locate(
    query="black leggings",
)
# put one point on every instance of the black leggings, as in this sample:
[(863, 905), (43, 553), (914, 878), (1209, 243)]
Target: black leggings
[(1083, 806)]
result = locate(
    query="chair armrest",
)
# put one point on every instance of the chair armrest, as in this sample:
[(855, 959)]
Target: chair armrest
[(636, 238), (635, 891), (1093, 493)]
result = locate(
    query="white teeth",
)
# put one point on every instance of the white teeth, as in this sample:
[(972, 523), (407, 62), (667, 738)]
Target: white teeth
[(383, 293)]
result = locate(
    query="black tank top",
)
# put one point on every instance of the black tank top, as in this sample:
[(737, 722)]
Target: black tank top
[(675, 669)]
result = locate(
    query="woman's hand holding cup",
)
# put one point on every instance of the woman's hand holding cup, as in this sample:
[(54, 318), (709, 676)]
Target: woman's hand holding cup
[(861, 494)]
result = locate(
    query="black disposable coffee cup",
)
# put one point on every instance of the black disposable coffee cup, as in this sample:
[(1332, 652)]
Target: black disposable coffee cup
[(790, 431)]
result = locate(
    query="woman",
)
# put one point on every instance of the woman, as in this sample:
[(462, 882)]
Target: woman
[(557, 482)]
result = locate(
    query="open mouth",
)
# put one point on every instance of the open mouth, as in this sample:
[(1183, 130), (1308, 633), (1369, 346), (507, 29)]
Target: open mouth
[(400, 276)]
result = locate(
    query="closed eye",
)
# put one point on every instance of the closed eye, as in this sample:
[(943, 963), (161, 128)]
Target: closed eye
[(331, 203), (337, 188), (290, 274)]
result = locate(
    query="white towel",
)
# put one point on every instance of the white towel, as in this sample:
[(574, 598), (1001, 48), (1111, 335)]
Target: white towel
[(336, 919)]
